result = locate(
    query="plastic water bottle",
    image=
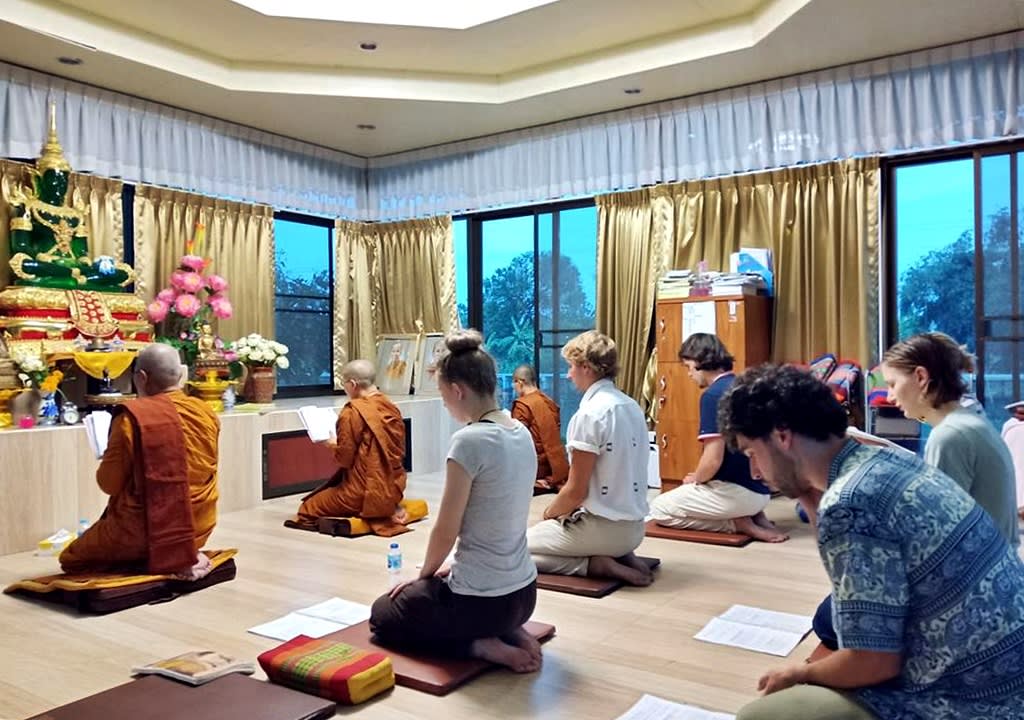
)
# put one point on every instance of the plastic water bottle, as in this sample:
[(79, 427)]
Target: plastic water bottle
[(394, 565), (83, 525), (229, 399)]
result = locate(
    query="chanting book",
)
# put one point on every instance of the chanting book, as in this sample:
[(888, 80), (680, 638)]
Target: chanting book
[(97, 429), (319, 422), (196, 667)]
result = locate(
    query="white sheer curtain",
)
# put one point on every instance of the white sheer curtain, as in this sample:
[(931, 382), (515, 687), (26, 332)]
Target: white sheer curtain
[(967, 92), (962, 93), (116, 135)]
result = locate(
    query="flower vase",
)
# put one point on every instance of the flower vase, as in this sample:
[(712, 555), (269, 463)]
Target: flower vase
[(48, 410), (261, 384)]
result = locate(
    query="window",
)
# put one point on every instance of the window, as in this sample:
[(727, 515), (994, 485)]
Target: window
[(955, 261), (303, 303), (538, 288)]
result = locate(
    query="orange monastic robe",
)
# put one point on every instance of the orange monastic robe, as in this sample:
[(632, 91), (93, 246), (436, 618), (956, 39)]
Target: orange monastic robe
[(370, 480), (119, 539), (540, 414)]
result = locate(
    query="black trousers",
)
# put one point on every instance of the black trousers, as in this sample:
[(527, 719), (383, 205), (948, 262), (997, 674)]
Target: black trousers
[(428, 617)]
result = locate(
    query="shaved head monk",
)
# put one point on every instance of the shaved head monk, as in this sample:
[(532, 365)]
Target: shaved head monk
[(160, 471), (540, 414), (370, 450)]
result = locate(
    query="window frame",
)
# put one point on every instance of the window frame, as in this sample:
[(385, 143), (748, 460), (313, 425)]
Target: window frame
[(300, 391), (888, 279)]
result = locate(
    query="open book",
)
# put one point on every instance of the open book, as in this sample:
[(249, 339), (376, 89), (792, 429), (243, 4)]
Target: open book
[(315, 621), (766, 631), (868, 439), (97, 429), (320, 422), (196, 667)]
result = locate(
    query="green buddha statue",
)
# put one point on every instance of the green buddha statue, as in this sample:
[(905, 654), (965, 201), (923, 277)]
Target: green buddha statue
[(50, 235)]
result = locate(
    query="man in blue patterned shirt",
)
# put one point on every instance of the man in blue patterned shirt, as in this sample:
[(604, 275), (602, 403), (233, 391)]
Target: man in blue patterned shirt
[(929, 598)]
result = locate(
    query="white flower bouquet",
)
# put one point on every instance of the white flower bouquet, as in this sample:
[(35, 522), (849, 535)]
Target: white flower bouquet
[(257, 351)]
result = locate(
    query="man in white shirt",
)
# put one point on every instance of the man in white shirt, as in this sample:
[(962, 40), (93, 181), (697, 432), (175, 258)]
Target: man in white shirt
[(597, 519)]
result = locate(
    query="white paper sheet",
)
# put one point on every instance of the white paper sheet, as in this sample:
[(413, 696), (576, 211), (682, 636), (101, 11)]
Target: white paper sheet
[(755, 629), (97, 429), (320, 422), (650, 707), (294, 624), (316, 620), (699, 317), (337, 610), (768, 618)]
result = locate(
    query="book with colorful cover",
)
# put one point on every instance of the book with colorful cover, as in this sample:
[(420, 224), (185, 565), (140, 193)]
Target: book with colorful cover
[(196, 667)]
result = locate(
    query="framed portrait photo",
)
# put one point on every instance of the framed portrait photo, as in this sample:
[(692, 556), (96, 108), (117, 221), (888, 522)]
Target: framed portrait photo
[(431, 349), (396, 359)]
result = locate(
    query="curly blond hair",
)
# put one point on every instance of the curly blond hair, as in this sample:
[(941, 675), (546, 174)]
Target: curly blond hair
[(594, 350)]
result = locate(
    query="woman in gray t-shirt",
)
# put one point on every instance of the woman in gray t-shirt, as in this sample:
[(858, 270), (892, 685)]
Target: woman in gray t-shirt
[(478, 606), (925, 378)]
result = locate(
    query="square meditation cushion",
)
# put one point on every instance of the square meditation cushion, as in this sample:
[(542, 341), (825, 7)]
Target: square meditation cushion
[(329, 668)]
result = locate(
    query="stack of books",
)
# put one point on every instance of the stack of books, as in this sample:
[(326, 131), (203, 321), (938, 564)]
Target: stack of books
[(674, 284), (726, 284)]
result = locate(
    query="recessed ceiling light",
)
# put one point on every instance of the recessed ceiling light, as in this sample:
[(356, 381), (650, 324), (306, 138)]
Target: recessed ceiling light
[(68, 60), (368, 46), (366, 126), (633, 91)]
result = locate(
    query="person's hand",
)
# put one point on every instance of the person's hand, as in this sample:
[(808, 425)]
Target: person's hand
[(329, 442), (397, 589), (443, 571), (775, 680), (690, 479)]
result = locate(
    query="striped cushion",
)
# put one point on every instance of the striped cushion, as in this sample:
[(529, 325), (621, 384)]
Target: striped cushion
[(330, 669)]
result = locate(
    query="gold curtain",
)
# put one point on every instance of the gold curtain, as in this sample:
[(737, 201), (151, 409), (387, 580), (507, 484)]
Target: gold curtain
[(106, 216), (391, 278), (356, 294), (630, 258), (239, 242), (101, 195), (821, 223)]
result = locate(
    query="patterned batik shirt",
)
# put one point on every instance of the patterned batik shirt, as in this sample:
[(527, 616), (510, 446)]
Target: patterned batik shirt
[(918, 568)]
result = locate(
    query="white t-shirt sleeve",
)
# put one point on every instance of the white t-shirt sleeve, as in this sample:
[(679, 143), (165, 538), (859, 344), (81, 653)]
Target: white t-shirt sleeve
[(589, 432), (465, 450)]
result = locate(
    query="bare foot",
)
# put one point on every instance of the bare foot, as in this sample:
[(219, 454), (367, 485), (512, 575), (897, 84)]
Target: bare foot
[(400, 516), (522, 639), (631, 560), (761, 520), (747, 526), (607, 567), (514, 658), (201, 569)]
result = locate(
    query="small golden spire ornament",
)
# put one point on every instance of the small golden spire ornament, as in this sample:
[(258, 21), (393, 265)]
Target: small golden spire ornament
[(52, 157)]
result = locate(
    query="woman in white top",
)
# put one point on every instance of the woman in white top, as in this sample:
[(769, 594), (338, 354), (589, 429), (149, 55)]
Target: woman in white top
[(478, 606), (597, 519)]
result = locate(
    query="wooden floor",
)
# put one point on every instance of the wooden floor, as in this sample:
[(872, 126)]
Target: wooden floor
[(607, 652)]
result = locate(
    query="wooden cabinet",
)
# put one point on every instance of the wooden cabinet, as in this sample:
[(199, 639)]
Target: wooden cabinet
[(743, 324)]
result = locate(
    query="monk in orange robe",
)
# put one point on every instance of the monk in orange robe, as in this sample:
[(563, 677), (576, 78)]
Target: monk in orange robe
[(370, 450), (542, 417), (160, 471)]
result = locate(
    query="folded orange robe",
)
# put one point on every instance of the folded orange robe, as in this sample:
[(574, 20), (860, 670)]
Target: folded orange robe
[(133, 463), (541, 416), (370, 480)]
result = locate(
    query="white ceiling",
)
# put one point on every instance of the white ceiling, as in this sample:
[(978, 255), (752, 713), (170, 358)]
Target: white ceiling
[(308, 79)]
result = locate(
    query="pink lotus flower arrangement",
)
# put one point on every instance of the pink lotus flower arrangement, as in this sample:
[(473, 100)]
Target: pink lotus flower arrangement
[(191, 294), (188, 303)]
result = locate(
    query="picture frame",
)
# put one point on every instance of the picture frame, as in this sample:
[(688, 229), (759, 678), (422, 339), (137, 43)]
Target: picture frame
[(431, 348), (396, 359)]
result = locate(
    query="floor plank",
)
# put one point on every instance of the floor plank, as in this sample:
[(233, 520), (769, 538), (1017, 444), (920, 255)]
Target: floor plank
[(606, 654)]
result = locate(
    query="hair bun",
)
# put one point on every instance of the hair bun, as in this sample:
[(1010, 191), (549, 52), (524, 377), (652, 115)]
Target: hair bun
[(463, 341)]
